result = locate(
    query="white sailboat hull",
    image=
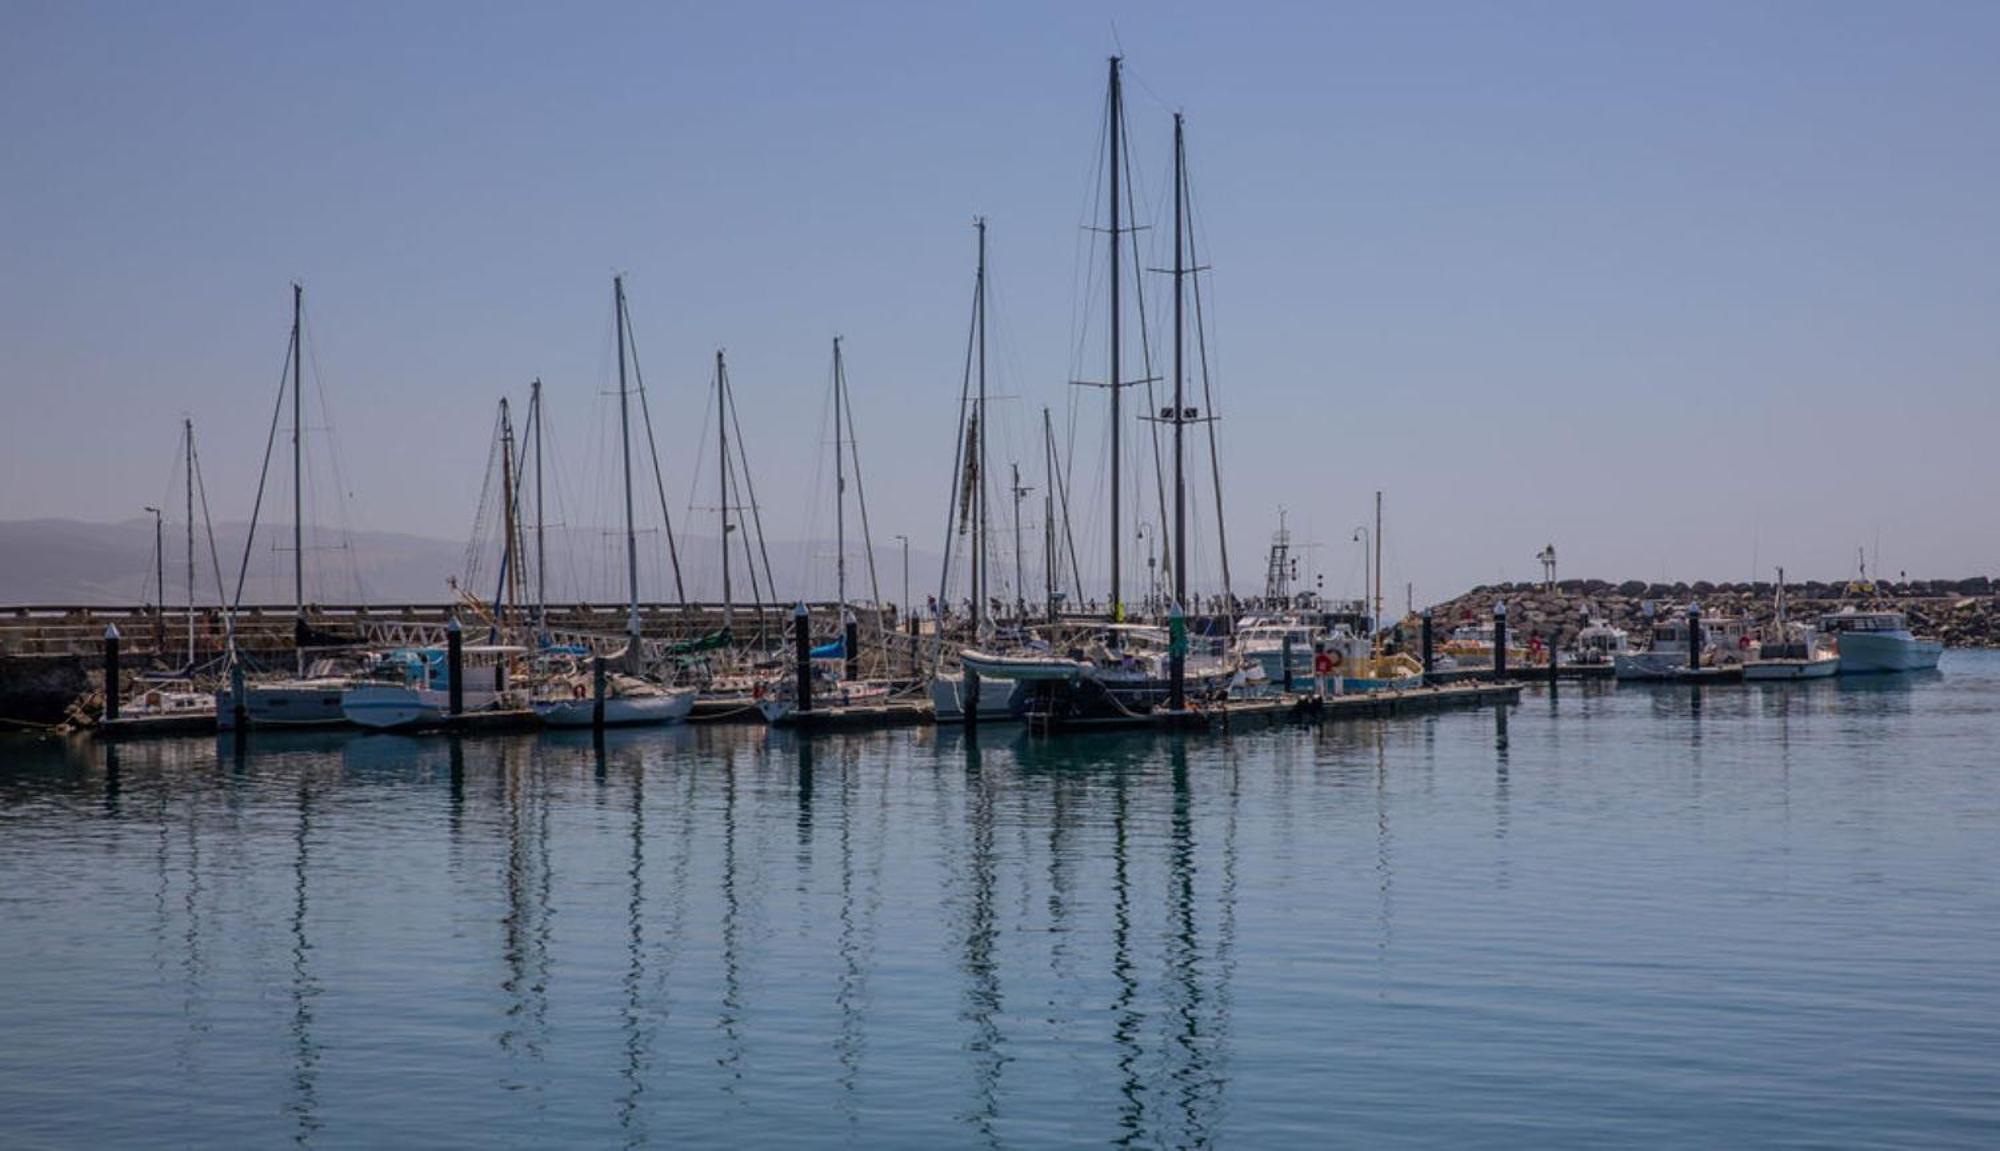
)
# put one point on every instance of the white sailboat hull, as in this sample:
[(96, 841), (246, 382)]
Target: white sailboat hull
[(996, 698), (290, 703), (619, 711)]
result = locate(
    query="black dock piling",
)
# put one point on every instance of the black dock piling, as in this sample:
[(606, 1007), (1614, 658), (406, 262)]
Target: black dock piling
[(850, 647), (597, 693), (1500, 640), (454, 665), (239, 707), (1427, 647), (111, 671), (1285, 660), (1694, 636), (1555, 637), (802, 655)]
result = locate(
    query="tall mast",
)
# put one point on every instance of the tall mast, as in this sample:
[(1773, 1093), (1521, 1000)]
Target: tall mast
[(187, 428), (632, 653), (722, 492), (980, 580), (1180, 401), (541, 551), (1020, 594), (1178, 656), (298, 500), (839, 487), (1048, 516), (1117, 115), (510, 553)]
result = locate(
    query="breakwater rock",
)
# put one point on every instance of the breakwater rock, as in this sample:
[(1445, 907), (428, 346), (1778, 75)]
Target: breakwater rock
[(1963, 613)]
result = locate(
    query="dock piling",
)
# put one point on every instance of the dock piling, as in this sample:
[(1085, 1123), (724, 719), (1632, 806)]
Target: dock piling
[(802, 657), (1500, 639), (454, 665), (111, 691), (850, 647), (1694, 636), (1285, 660), (597, 693)]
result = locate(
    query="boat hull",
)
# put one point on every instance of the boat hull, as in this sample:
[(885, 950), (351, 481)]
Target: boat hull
[(1786, 670), (296, 703), (996, 698), (389, 707), (1649, 665), (1862, 653), (619, 711)]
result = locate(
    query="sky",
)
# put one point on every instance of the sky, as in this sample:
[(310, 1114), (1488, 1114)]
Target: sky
[(1690, 291)]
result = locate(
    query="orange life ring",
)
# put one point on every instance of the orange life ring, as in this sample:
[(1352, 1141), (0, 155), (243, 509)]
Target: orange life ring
[(576, 691), (1743, 642)]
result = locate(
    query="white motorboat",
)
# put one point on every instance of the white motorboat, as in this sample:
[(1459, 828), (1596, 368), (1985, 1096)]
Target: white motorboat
[(1878, 641)]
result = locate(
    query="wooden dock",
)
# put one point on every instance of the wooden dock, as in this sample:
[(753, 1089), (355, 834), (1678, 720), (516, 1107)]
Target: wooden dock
[(1530, 674)]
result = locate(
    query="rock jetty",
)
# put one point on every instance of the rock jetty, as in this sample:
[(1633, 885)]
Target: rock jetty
[(1963, 613)]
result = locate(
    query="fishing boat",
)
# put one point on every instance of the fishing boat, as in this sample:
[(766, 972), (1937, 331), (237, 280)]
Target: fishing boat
[(1792, 650), (1724, 646), (1599, 643), (1878, 641), (1802, 653)]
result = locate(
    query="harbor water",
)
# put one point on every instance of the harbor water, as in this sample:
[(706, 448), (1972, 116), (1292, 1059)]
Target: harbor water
[(1752, 915)]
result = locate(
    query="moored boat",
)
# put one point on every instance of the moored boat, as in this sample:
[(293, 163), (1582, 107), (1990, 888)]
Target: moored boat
[(1878, 641)]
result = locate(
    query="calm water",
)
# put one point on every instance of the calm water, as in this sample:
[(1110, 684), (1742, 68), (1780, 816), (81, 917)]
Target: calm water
[(1756, 917)]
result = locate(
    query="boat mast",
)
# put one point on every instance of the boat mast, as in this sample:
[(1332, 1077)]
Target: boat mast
[(632, 653), (1048, 516), (187, 429), (1177, 656), (298, 501), (1019, 493), (839, 489), (1116, 117), (980, 575), (541, 551), (722, 492), (510, 555)]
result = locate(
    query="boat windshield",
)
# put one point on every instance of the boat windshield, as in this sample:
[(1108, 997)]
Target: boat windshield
[(1862, 621)]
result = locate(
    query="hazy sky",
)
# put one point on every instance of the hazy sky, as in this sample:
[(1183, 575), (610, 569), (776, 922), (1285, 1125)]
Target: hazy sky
[(1690, 290)]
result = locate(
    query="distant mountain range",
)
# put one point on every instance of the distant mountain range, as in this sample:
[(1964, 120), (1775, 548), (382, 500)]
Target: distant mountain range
[(60, 561)]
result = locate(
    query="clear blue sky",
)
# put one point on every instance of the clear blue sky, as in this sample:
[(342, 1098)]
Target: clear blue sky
[(1683, 288)]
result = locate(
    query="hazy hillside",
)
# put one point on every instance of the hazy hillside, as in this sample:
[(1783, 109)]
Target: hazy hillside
[(55, 561)]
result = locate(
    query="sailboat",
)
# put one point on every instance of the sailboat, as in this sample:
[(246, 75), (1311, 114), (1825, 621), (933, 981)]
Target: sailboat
[(302, 700), (1126, 672), (630, 699), (169, 703), (952, 692), (835, 665)]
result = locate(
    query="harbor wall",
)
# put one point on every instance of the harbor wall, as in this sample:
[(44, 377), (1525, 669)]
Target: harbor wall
[(1963, 613)]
